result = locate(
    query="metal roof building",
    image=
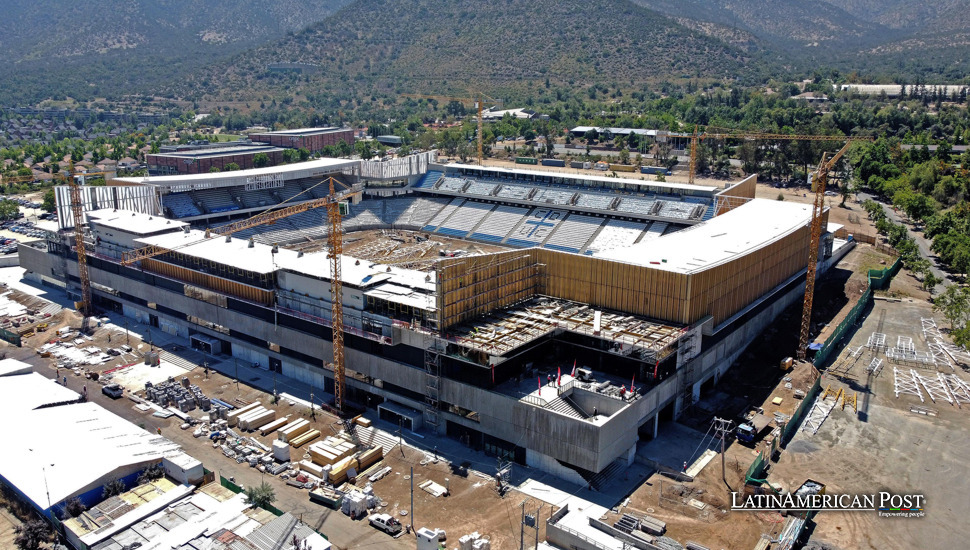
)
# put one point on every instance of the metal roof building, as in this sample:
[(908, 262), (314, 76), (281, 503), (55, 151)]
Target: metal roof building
[(58, 448)]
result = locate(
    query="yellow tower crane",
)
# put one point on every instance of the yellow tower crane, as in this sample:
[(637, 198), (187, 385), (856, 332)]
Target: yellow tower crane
[(819, 182), (818, 186)]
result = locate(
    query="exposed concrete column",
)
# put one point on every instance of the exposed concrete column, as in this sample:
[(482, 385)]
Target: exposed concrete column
[(656, 425), (630, 455)]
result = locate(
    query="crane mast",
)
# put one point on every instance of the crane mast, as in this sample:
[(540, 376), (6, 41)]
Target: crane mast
[(77, 211), (818, 186), (334, 253)]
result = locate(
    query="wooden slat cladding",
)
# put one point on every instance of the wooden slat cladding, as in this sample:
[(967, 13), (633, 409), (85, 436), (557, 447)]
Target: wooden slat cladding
[(475, 285), (204, 280), (639, 290), (725, 289)]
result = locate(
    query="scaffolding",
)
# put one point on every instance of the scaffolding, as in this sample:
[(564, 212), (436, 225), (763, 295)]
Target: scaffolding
[(432, 368), (908, 384)]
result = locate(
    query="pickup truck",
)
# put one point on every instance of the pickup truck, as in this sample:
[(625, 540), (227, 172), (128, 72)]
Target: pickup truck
[(386, 523), (113, 391)]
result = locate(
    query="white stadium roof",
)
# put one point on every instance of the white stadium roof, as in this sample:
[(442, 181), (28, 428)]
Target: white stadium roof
[(133, 222), (749, 227), (309, 169)]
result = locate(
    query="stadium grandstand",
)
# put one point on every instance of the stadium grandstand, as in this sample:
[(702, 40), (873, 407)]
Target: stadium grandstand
[(590, 283)]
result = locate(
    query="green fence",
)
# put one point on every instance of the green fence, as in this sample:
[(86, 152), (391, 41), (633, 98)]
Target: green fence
[(237, 489), (11, 337), (756, 472), (878, 280)]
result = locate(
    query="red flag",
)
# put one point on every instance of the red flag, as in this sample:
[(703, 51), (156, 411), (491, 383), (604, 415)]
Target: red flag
[(573, 374), (558, 375), (655, 369), (632, 381), (539, 380)]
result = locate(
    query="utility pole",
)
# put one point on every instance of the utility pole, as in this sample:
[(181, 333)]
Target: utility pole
[(721, 427), (530, 521), (412, 499)]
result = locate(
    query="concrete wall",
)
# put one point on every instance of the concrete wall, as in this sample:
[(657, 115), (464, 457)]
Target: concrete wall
[(548, 435)]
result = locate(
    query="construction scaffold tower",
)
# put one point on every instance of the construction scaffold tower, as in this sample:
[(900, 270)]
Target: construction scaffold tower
[(432, 367)]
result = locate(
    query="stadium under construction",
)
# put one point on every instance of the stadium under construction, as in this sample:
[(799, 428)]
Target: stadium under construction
[(603, 306)]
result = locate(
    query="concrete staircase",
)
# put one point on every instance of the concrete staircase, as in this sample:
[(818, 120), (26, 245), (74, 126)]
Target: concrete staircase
[(568, 407), (183, 362), (602, 479)]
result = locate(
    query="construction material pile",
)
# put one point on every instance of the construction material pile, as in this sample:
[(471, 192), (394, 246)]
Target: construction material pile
[(183, 395)]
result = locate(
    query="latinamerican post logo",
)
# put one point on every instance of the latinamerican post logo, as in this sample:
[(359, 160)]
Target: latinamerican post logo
[(885, 503)]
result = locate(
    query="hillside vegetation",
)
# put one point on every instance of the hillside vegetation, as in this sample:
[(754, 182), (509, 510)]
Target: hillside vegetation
[(440, 45), (104, 47)]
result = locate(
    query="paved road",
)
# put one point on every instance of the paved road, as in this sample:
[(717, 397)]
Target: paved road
[(922, 243)]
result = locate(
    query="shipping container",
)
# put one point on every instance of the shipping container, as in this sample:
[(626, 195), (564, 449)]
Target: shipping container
[(623, 167), (526, 160), (654, 170), (553, 162), (580, 164)]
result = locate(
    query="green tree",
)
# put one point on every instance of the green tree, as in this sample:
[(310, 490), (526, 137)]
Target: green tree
[(8, 209), (260, 160), (32, 535), (231, 167), (214, 169), (930, 281), (261, 496), (112, 488), (363, 149), (290, 156), (49, 202), (74, 508), (954, 304)]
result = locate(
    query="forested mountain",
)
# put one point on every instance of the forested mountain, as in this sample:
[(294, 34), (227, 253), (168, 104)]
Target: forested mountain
[(97, 47), (51, 30), (222, 49), (478, 44), (786, 25)]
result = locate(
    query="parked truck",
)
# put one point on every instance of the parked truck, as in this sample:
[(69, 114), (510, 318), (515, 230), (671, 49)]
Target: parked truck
[(554, 162), (386, 523), (754, 425)]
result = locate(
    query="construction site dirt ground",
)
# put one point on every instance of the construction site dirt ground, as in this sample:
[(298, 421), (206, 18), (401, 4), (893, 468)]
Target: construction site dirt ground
[(884, 446)]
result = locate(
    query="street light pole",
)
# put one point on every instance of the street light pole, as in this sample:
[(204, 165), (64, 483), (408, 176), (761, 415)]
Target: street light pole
[(49, 507)]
